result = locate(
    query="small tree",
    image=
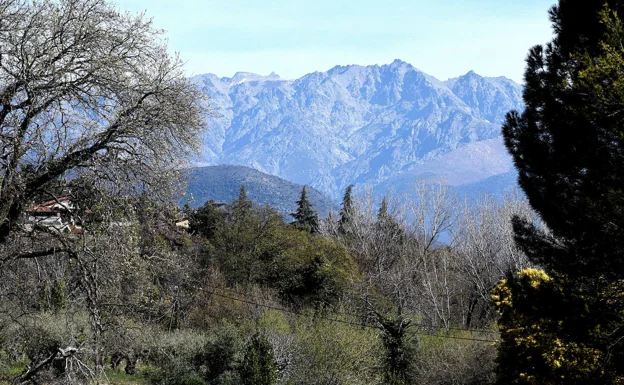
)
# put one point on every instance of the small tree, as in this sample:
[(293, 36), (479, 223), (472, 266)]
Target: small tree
[(347, 208), (305, 217), (206, 220), (399, 355), (240, 207), (383, 214), (386, 223), (259, 366)]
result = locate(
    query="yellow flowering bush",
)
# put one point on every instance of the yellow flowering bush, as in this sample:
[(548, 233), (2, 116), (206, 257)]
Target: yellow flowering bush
[(533, 308)]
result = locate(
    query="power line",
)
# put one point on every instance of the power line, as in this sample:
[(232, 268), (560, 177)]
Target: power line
[(456, 338), (421, 325), (287, 310), (362, 325)]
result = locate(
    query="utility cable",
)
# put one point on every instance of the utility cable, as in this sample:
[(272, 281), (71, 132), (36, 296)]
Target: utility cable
[(421, 325), (362, 325)]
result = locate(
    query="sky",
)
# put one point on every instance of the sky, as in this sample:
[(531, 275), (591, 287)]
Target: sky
[(444, 38)]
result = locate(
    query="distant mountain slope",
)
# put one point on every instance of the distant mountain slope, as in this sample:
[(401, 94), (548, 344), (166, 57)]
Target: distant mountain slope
[(469, 164), (351, 124), (496, 186), (221, 183)]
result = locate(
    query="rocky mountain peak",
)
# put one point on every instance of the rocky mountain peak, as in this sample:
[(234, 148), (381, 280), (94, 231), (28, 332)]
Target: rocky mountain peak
[(351, 124)]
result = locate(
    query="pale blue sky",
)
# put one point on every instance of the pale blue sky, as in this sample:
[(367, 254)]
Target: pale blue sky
[(444, 38)]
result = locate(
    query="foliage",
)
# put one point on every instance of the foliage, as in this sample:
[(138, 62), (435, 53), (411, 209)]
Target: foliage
[(568, 148), (240, 208), (205, 220), (183, 358), (54, 295), (259, 366), (316, 272), (306, 219), (347, 207), (81, 67), (334, 353), (40, 337), (550, 335), (221, 355), (399, 356), (443, 360), (254, 245)]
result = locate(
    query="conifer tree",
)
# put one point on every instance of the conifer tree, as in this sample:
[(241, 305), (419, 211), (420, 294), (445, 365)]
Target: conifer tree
[(387, 224), (568, 147), (567, 144), (399, 359), (241, 207), (347, 208), (206, 220), (305, 217), (382, 214)]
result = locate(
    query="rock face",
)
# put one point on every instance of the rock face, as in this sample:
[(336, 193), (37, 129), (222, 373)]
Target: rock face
[(352, 124)]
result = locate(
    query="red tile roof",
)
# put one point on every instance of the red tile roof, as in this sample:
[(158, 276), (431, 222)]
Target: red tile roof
[(48, 206)]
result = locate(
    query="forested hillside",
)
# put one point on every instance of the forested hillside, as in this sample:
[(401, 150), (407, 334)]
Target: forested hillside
[(221, 184), (241, 296)]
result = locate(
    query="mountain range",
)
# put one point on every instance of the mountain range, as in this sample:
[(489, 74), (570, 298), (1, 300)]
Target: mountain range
[(381, 126)]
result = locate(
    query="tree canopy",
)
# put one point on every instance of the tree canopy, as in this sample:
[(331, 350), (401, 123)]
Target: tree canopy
[(563, 325), (87, 90), (305, 217), (568, 146)]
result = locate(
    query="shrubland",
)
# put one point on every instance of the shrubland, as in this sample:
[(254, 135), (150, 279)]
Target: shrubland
[(246, 296), (97, 119)]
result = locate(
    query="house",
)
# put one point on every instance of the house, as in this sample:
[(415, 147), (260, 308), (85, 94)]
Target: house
[(55, 213), (182, 222)]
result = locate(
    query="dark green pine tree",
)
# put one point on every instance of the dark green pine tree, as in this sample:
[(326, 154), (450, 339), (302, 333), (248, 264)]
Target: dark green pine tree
[(568, 147), (206, 220), (399, 356), (346, 212), (240, 207), (382, 214), (305, 217), (387, 224)]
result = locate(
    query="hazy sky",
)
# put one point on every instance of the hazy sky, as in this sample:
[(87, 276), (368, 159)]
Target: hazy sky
[(444, 38)]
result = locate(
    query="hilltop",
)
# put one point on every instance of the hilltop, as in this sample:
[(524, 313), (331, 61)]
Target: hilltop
[(221, 184)]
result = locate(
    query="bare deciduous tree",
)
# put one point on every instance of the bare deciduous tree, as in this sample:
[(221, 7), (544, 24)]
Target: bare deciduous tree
[(434, 214), (484, 243), (86, 89)]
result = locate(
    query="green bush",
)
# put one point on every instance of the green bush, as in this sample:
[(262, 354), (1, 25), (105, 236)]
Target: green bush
[(185, 357), (451, 361), (259, 366), (332, 352), (220, 355), (172, 355), (309, 270), (251, 245)]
